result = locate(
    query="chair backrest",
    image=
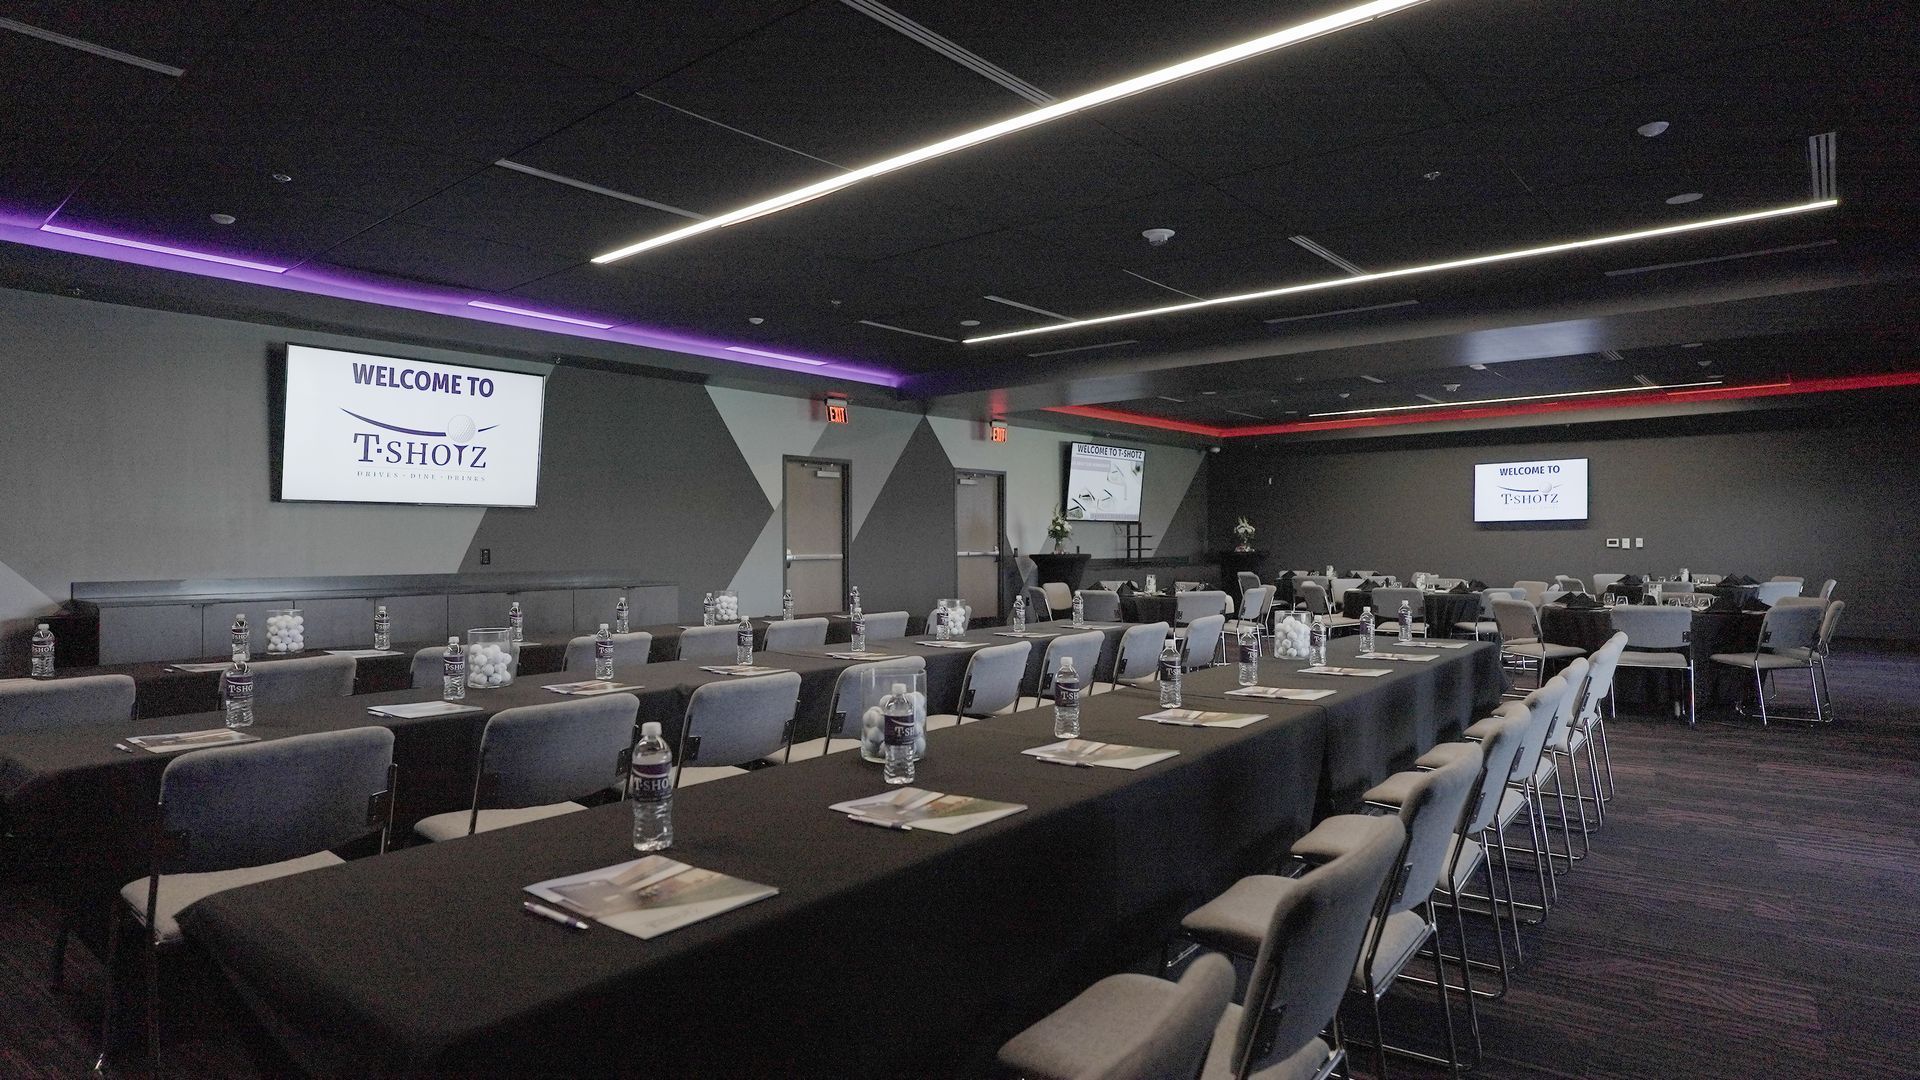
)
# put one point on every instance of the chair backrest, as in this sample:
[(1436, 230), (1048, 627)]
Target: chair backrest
[(1039, 608), (737, 721), (711, 643), (1488, 596), (428, 667), (1172, 1039), (1386, 603), (1829, 624), (1601, 581), (1140, 647), (1826, 589), (1313, 597), (1578, 674), (887, 625), (1772, 592), (1247, 579), (52, 704), (1199, 603), (1102, 605), (1256, 602), (535, 755), (1606, 660), (281, 682), (799, 633), (992, 681), (1569, 583), (1543, 707), (1505, 735), (278, 799), (1203, 640), (1536, 590), (1788, 577), (1307, 956), (1085, 650), (841, 722), (1432, 812), (1787, 628), (628, 650), (1646, 627), (1518, 620), (1059, 597)]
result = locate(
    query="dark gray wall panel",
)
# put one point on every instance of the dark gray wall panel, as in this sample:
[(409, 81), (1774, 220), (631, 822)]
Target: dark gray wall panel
[(903, 556)]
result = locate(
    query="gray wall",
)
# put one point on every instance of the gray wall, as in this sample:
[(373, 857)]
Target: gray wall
[(1818, 494)]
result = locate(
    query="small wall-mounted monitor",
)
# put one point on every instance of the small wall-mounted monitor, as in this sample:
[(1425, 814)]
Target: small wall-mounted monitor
[(1103, 482), (378, 429), (1530, 490)]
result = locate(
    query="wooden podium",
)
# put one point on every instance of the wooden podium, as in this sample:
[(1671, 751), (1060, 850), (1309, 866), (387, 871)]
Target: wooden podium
[(1068, 568)]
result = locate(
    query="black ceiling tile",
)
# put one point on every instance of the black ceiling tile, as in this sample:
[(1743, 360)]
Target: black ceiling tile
[(1458, 232), (364, 64), (171, 32), (66, 110), (1637, 201), (531, 212), (876, 219), (626, 43), (277, 231), (1265, 264), (1204, 220), (432, 255), (834, 83)]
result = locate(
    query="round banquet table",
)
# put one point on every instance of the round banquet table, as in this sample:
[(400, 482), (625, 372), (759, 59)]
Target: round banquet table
[(1140, 608), (1443, 609), (1713, 632)]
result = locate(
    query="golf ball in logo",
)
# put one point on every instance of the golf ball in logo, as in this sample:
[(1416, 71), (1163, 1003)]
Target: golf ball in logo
[(460, 429)]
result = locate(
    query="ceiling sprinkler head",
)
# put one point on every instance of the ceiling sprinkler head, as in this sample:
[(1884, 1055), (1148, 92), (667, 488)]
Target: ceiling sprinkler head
[(1157, 237)]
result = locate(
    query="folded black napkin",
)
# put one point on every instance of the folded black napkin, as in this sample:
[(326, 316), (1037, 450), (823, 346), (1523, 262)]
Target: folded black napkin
[(1731, 579), (1579, 602), (1477, 585), (1126, 589), (1288, 576), (1365, 586), (1754, 603), (1630, 579)]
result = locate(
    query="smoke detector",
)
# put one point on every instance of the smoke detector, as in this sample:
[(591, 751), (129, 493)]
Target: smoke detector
[(1158, 237)]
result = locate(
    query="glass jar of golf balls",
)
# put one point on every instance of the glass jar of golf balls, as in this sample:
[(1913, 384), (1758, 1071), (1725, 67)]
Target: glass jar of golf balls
[(726, 607), (1291, 637), (491, 658), (286, 631)]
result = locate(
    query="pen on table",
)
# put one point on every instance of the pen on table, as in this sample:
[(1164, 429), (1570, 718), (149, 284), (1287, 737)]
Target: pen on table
[(552, 915)]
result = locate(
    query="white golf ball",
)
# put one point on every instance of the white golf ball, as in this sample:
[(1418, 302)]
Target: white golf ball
[(461, 429)]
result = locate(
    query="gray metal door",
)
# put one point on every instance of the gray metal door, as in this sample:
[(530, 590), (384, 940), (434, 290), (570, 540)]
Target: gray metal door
[(978, 528), (815, 506)]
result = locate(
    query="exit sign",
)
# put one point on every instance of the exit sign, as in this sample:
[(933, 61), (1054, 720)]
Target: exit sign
[(836, 410), (998, 433)]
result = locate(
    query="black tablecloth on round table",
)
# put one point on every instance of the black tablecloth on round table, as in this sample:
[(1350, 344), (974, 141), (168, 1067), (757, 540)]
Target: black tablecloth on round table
[(1137, 608), (1442, 611), (1713, 632)]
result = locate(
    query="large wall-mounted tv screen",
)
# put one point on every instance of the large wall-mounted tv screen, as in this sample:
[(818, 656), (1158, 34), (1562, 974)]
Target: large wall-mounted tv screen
[(1104, 482), (378, 429), (1531, 490)]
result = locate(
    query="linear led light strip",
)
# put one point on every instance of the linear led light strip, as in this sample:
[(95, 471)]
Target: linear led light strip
[(1409, 271), (1506, 400), (163, 249), (1293, 35)]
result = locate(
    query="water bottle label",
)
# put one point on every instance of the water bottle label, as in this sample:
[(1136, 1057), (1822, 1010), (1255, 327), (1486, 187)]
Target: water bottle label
[(899, 729), (860, 625), (240, 689), (652, 782), (744, 639), (453, 667), (1066, 693), (1169, 670), (603, 650), (1249, 653)]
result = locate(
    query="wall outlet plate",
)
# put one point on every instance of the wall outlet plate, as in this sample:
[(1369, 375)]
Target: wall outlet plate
[(1613, 541)]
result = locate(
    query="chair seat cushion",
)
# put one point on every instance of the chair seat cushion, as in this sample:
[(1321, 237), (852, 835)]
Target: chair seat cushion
[(1445, 753), (1303, 1064), (177, 891), (702, 774), (1333, 838), (1484, 627), (1092, 1033), (1676, 661), (812, 748), (452, 825), (1236, 920), (1763, 662), (1540, 650), (1392, 626), (1402, 936)]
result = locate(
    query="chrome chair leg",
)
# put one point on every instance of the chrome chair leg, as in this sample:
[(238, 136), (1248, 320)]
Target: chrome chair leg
[(107, 1015)]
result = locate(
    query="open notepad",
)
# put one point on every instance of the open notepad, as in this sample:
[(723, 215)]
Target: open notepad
[(650, 896), (1105, 755), (1356, 672), (1409, 658), (1203, 718), (915, 808), (190, 740), (591, 687), (415, 710), (1279, 693)]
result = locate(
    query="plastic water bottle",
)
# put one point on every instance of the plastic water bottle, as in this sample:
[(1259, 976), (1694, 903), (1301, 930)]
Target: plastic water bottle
[(1367, 629), (859, 630), (898, 735), (1406, 622), (603, 654), (650, 789), (706, 611), (517, 622), (1249, 654), (1066, 701), (940, 631), (1170, 672), (853, 601), (786, 606), (453, 672), (620, 617), (42, 652), (382, 628), (1079, 609), (238, 694), (1019, 620), (743, 643), (1317, 642)]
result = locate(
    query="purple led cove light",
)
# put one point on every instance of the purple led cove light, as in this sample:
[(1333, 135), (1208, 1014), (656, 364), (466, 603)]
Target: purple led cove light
[(19, 228), (491, 306), (778, 356), (121, 241)]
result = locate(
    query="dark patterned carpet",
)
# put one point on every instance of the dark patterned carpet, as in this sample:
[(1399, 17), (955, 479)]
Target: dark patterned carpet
[(1752, 909)]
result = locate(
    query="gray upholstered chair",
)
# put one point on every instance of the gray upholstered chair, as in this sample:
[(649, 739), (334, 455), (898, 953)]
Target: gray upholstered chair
[(1520, 636), (429, 667), (1789, 637), (1484, 626), (1536, 591), (1039, 609), (1059, 596), (629, 650), (1199, 603), (1823, 648), (1788, 577), (282, 682), (734, 723), (1256, 607), (887, 625), (1658, 638), (1313, 597), (991, 684), (800, 633), (843, 726), (1386, 610), (55, 704), (536, 759), (1546, 775), (1128, 1027), (1826, 589), (711, 644), (1601, 581), (238, 815), (1567, 583), (1582, 730), (1085, 651), (1138, 658), (1201, 644), (1247, 579), (1772, 592), (1100, 605)]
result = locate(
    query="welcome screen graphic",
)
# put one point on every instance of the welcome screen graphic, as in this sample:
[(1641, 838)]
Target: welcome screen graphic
[(1104, 482), (1531, 490), (365, 428)]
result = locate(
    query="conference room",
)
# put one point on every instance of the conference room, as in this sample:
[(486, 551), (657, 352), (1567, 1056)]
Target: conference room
[(821, 538)]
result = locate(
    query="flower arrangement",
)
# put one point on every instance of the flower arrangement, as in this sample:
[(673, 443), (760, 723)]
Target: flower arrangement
[(1059, 529), (1243, 535)]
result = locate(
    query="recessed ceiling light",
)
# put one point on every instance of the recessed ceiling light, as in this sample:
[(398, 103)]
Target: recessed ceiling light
[(223, 219), (1428, 268), (1267, 43), (1434, 175), (969, 322), (1692, 344), (1208, 393), (1478, 367), (1704, 363), (1683, 198), (1157, 237), (1653, 128), (755, 320), (1525, 397), (282, 178), (1344, 396)]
